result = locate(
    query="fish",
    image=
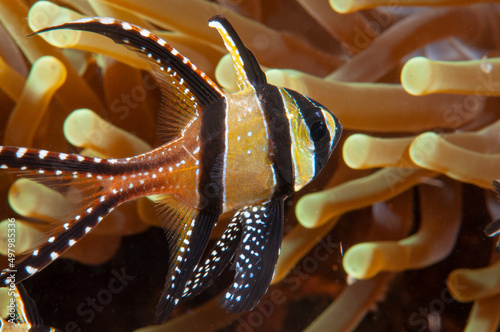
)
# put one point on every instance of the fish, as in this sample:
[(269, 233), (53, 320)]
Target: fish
[(243, 152), (23, 314)]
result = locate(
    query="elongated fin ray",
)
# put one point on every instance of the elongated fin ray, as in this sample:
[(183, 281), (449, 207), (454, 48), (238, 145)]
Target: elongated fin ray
[(256, 256), (219, 257), (248, 71), (188, 232), (41, 161)]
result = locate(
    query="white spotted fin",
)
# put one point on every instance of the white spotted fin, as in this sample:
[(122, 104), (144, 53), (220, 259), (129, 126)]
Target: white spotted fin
[(218, 259), (257, 254), (253, 238)]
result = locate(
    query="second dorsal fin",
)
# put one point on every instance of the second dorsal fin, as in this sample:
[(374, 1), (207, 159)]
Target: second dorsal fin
[(186, 90), (248, 71)]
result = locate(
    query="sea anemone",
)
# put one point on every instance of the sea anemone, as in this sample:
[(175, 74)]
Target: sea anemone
[(390, 237)]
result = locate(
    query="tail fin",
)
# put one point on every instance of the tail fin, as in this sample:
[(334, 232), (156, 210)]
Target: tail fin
[(77, 169)]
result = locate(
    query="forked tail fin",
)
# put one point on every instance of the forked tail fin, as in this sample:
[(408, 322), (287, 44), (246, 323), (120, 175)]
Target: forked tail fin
[(73, 169)]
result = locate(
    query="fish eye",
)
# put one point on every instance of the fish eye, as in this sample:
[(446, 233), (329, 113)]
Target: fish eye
[(318, 130)]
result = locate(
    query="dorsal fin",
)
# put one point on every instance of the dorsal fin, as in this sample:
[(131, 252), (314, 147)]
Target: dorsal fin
[(186, 90), (248, 71)]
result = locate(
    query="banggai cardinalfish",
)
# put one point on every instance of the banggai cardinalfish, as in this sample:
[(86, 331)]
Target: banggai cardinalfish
[(244, 152)]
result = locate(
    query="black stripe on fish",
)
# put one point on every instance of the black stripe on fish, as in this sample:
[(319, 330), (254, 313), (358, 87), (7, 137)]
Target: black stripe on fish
[(280, 141), (248, 71), (212, 157), (318, 130), (195, 235)]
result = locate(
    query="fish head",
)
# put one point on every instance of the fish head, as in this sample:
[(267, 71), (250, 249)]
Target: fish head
[(315, 133)]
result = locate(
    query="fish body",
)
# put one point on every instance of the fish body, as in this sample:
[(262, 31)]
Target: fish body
[(244, 152)]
